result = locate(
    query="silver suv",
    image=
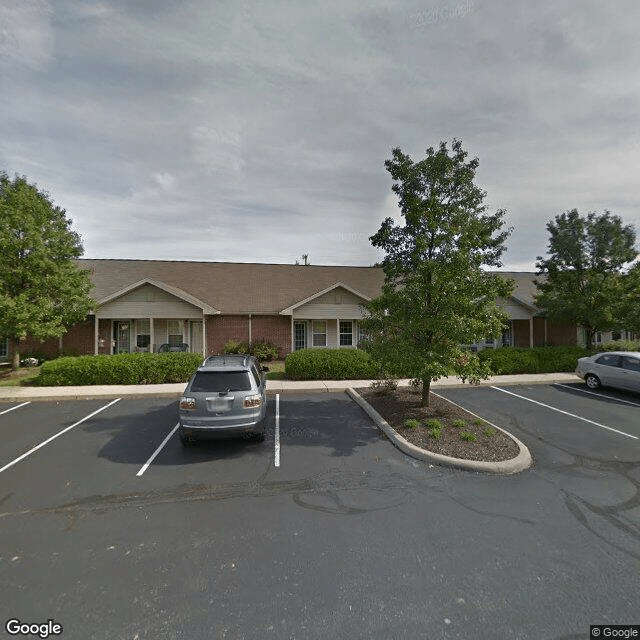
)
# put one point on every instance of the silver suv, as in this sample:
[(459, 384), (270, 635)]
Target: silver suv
[(225, 397)]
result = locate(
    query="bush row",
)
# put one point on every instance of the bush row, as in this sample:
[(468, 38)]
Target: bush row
[(124, 368), (330, 364), (260, 349), (509, 360), (620, 345)]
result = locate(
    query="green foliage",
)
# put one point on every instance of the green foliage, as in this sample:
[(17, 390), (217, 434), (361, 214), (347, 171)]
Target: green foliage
[(468, 436), (330, 364), (384, 385), (436, 295), (584, 282), (488, 432), (459, 424), (435, 433), (620, 345), (511, 360), (411, 423), (41, 288), (478, 422), (629, 310), (433, 423), (260, 349), (124, 368)]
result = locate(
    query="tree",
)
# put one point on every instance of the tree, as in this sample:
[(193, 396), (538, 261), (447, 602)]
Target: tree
[(41, 288), (583, 272), (629, 311), (436, 297)]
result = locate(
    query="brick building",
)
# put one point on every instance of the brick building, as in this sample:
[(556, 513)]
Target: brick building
[(157, 305)]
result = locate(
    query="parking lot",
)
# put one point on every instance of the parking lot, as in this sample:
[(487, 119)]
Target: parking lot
[(113, 529)]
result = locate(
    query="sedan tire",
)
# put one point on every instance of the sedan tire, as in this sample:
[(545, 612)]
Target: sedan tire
[(592, 381)]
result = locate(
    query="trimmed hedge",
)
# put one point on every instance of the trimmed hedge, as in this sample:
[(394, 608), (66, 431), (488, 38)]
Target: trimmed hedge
[(620, 345), (330, 364), (509, 360), (124, 368)]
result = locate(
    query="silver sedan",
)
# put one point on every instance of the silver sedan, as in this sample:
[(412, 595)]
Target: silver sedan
[(619, 369)]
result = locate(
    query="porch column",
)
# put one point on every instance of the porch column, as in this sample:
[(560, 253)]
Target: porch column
[(249, 328), (337, 333), (95, 335), (150, 335), (204, 334), (292, 335), (531, 331)]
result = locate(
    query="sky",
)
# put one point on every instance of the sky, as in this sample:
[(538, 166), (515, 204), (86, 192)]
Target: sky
[(258, 131)]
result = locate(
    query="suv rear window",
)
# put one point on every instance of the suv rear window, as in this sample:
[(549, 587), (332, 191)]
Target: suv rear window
[(216, 381)]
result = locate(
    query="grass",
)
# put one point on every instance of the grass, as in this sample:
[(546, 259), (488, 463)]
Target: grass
[(21, 377), (276, 370)]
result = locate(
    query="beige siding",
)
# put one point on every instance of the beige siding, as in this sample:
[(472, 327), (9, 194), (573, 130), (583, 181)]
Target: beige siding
[(338, 303), (515, 310), (149, 302)]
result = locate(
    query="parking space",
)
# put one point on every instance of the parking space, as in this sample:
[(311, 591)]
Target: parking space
[(347, 537)]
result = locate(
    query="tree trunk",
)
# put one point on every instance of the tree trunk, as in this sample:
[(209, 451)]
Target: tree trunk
[(589, 333), (15, 351), (426, 387)]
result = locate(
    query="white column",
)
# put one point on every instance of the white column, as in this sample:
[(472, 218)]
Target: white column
[(151, 336), (95, 336), (204, 335), (249, 328), (337, 333), (531, 331), (292, 335)]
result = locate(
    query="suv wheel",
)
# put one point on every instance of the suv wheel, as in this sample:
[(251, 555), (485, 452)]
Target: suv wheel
[(592, 381)]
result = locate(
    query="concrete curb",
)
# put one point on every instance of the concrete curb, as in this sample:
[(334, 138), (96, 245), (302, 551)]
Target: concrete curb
[(507, 467)]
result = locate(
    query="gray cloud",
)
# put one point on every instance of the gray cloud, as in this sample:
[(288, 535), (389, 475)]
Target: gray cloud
[(258, 131)]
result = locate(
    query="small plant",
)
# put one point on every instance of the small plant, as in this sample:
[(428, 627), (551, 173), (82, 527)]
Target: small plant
[(478, 422), (384, 386), (411, 423), (435, 433), (468, 436), (434, 423), (459, 424), (488, 432)]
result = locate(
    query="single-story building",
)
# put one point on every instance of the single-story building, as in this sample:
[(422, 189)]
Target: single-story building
[(161, 305)]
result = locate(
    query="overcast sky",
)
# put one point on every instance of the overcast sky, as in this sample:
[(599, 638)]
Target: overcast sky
[(257, 131)]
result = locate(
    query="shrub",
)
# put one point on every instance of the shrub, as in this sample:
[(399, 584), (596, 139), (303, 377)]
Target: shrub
[(260, 349), (459, 424), (478, 422), (411, 423), (488, 432), (433, 423), (468, 436), (235, 347), (384, 386), (509, 360), (435, 433), (620, 345), (330, 364), (124, 368)]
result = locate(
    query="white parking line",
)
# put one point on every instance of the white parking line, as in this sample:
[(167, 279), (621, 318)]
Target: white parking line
[(573, 415), (145, 466), (598, 395), (16, 407), (48, 440), (277, 438)]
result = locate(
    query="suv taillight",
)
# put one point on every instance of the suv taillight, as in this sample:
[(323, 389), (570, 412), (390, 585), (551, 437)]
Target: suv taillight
[(251, 402), (188, 404)]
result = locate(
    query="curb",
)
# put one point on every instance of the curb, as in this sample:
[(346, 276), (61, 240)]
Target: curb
[(506, 467)]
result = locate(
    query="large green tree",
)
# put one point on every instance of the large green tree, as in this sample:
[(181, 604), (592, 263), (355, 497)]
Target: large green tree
[(436, 295), (41, 289), (583, 271)]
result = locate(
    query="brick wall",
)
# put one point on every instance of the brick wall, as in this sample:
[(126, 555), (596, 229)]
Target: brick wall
[(32, 346), (80, 337), (275, 329), (104, 336), (562, 334), (521, 333), (222, 328)]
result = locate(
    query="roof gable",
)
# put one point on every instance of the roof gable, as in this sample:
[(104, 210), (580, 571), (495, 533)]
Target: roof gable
[(337, 285)]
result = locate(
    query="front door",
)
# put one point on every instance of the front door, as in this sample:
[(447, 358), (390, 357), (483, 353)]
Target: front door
[(121, 336), (299, 335), (195, 337)]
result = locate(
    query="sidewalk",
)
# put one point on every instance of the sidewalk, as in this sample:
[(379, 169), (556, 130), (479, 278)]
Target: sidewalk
[(22, 394)]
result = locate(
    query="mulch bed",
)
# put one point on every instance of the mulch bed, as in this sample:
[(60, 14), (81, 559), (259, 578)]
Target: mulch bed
[(404, 404)]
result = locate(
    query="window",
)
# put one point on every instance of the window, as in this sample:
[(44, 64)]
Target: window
[(362, 336), (256, 376), (616, 335), (221, 381), (4, 347), (609, 360), (174, 331), (319, 333), (633, 364), (143, 333), (346, 333)]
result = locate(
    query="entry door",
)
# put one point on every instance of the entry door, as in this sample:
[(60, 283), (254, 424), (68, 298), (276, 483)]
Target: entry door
[(299, 335), (195, 337), (121, 336)]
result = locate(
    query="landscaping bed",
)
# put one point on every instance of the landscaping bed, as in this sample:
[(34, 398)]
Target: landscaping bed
[(490, 444)]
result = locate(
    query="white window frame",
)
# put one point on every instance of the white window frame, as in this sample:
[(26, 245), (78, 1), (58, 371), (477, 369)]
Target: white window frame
[(315, 333), (341, 333), (140, 332), (180, 324)]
